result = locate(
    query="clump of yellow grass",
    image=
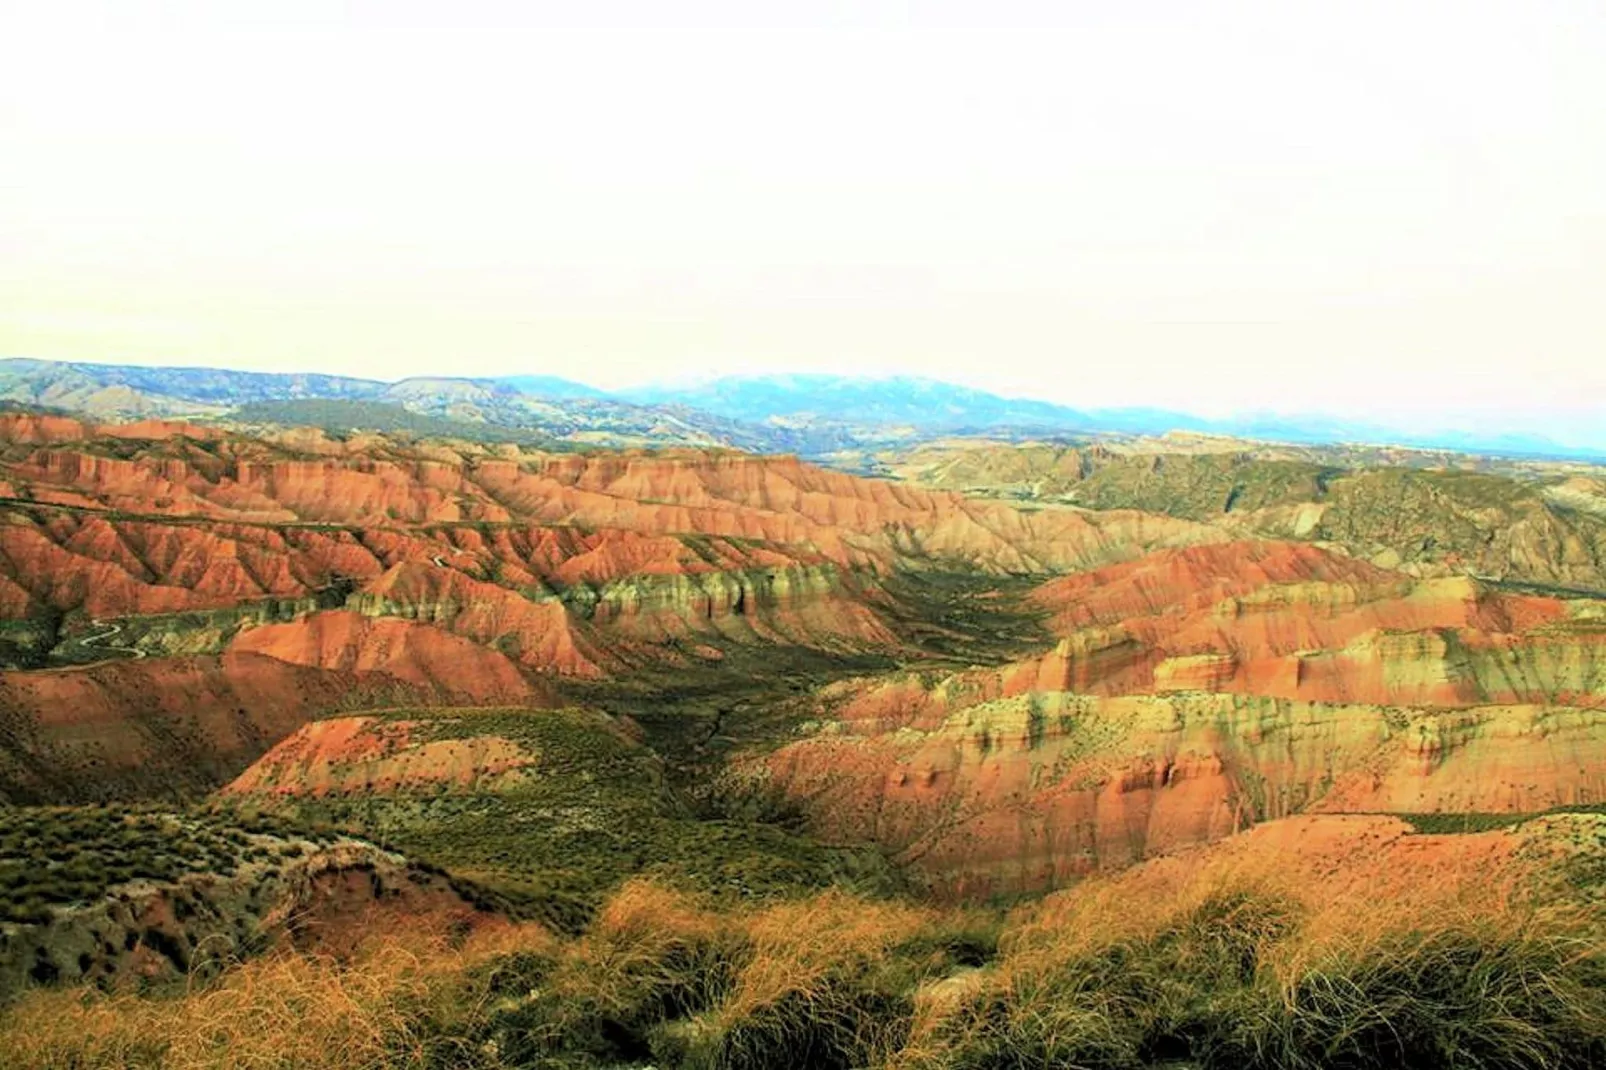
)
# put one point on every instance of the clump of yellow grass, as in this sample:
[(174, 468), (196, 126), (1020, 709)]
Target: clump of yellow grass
[(287, 1009), (827, 981), (1437, 951)]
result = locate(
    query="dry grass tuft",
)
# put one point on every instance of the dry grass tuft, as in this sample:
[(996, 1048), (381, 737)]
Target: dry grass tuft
[(827, 981), (1253, 963), (285, 1010)]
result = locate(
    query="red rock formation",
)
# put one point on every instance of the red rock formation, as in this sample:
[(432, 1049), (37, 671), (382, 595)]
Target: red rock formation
[(462, 572), (1295, 621), (365, 754), (34, 429), (982, 795), (347, 642), (1196, 578), (1282, 678), (1199, 685), (165, 725), (570, 565), (158, 429), (371, 483)]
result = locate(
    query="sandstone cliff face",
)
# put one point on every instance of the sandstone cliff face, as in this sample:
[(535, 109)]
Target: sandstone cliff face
[(537, 632), (984, 795), (343, 641), (803, 605), (36, 429)]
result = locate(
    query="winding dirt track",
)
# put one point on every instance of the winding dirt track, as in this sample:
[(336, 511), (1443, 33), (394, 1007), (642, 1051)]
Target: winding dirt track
[(88, 641)]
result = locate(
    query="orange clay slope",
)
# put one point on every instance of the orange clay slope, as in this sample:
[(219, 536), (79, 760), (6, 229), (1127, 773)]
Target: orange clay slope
[(1294, 621), (293, 573), (349, 755), (161, 727), (559, 561), (1197, 692)]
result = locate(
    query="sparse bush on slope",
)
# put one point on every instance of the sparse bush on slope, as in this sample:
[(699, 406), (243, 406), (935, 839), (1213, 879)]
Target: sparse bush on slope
[(60, 855)]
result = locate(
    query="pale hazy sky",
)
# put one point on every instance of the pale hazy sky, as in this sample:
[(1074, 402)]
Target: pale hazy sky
[(1393, 209)]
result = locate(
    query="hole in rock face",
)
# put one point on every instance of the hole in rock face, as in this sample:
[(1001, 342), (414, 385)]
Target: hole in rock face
[(169, 947), (44, 971)]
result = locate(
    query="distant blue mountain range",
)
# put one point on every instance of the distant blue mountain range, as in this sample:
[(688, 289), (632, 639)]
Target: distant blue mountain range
[(809, 414), (550, 386), (931, 405), (924, 403)]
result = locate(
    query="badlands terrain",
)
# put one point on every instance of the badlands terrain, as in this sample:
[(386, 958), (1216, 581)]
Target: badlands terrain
[(394, 747)]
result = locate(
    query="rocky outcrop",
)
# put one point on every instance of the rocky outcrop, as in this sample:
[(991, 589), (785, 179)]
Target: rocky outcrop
[(803, 605)]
